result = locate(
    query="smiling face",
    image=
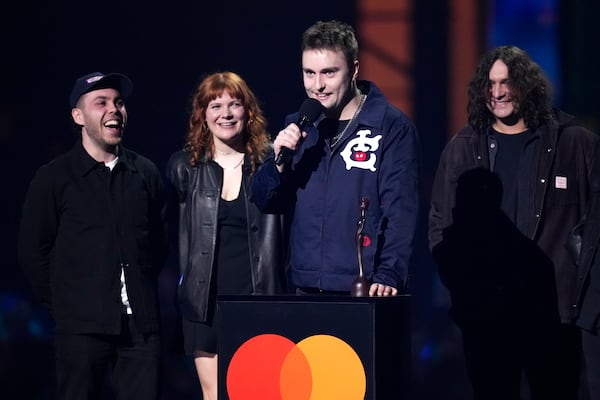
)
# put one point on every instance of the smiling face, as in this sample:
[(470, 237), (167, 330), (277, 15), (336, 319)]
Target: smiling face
[(103, 118), (502, 102), (226, 117), (328, 78)]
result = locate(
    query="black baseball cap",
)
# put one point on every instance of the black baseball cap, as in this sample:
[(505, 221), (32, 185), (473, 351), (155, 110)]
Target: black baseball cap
[(98, 80)]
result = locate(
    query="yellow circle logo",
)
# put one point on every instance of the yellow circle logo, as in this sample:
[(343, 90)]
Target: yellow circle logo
[(272, 367)]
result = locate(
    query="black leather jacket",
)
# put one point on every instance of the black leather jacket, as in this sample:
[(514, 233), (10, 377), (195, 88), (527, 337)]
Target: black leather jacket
[(198, 191)]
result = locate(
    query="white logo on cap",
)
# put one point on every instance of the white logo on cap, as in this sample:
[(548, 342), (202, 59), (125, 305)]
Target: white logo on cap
[(94, 79)]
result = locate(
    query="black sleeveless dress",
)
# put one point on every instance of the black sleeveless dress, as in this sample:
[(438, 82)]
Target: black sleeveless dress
[(231, 269)]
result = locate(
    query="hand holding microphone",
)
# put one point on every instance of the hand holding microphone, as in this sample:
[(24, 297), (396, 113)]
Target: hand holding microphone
[(289, 138)]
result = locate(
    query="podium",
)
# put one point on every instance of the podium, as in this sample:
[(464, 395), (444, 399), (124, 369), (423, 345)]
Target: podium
[(326, 347)]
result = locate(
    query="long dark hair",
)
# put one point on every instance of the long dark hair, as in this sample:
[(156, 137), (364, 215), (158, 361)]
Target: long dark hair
[(530, 89)]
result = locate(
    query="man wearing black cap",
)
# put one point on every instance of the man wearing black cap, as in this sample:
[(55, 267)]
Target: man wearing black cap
[(91, 242)]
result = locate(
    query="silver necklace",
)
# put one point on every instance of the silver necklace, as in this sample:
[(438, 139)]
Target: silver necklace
[(337, 137), (231, 168), (225, 153)]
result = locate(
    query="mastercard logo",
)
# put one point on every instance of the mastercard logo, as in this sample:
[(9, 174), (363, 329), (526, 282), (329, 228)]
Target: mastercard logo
[(272, 367)]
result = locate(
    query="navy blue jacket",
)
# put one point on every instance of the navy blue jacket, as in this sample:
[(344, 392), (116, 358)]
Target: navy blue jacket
[(378, 158)]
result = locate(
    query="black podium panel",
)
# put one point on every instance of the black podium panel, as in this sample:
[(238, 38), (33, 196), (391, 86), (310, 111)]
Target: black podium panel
[(314, 347)]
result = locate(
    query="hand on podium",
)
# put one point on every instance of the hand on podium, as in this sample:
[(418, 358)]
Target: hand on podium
[(361, 285), (379, 289)]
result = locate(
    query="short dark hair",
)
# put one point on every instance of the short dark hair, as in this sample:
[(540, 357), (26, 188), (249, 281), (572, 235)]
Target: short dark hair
[(332, 35)]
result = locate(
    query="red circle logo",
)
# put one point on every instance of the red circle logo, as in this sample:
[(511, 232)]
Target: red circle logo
[(272, 367)]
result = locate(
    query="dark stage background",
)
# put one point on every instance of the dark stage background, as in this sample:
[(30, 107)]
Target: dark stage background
[(166, 48)]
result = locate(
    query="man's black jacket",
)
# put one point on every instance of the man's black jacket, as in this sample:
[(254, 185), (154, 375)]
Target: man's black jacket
[(81, 224)]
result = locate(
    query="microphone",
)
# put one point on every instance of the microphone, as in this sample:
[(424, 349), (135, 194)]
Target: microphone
[(309, 112)]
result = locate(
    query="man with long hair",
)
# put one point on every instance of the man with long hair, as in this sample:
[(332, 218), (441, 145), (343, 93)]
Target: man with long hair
[(509, 188)]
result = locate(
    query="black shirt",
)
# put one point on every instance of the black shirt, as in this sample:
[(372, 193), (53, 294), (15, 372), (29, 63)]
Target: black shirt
[(514, 166)]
